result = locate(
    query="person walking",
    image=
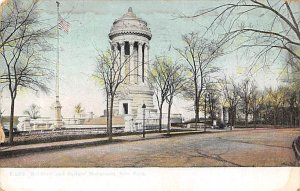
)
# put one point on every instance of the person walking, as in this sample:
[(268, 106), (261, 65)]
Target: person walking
[(2, 135)]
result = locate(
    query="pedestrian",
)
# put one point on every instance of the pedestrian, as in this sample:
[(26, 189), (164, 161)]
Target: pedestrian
[(2, 135)]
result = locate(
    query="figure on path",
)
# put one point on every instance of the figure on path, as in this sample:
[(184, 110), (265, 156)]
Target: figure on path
[(2, 135)]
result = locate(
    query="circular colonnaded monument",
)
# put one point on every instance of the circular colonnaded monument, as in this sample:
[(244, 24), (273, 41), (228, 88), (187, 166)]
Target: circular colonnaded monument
[(129, 37)]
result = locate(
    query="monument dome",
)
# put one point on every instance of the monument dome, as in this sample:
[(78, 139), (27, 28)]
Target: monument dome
[(129, 23)]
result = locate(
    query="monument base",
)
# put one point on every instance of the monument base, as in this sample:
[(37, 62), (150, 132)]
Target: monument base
[(58, 123)]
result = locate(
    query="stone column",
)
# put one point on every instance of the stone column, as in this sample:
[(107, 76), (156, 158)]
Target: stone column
[(140, 63), (114, 47), (146, 61), (122, 59), (135, 65), (131, 63), (118, 53)]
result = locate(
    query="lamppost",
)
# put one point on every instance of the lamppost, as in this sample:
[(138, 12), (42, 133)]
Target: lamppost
[(144, 108)]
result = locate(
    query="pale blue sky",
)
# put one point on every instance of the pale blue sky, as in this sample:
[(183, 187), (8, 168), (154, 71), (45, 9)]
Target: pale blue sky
[(91, 21)]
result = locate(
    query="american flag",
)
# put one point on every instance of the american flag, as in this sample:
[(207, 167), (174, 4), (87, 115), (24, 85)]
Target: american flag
[(63, 24)]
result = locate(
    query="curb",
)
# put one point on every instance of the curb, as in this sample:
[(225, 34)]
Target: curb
[(13, 153), (182, 134)]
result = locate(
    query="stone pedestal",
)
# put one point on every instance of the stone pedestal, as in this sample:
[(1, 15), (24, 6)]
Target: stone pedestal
[(129, 123), (58, 123), (134, 97)]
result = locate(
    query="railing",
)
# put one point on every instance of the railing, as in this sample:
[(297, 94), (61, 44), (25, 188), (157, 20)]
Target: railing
[(63, 134), (79, 130), (150, 124)]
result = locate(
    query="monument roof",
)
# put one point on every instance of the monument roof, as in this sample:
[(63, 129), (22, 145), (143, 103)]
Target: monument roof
[(129, 23), (129, 15)]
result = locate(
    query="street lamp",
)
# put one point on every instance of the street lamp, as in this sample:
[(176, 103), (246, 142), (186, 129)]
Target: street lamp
[(144, 108)]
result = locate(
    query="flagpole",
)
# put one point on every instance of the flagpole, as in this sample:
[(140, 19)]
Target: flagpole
[(57, 62), (58, 123)]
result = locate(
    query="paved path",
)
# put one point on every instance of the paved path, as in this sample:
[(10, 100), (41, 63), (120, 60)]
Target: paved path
[(11, 151), (260, 147)]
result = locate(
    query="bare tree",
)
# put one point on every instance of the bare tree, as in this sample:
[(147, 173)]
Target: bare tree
[(22, 39), (159, 77), (293, 101), (176, 83), (198, 54), (254, 105), (279, 34), (33, 112), (109, 72), (231, 93), (276, 99), (248, 90), (276, 106), (212, 105), (292, 92), (275, 34)]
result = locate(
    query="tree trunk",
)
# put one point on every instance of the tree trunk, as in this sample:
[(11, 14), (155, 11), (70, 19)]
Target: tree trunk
[(160, 118), (294, 117), (196, 111), (107, 115), (246, 118), (274, 117), (254, 118), (169, 117), (291, 119), (299, 116), (110, 118), (11, 121), (231, 117), (212, 116), (205, 114), (234, 116)]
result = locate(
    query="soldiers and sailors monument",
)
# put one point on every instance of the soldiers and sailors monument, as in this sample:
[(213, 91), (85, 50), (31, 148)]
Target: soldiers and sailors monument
[(129, 37)]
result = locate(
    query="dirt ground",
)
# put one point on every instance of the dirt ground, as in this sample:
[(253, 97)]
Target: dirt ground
[(241, 147)]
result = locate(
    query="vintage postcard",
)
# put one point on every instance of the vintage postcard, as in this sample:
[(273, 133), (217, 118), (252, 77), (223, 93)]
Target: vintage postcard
[(101, 91)]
